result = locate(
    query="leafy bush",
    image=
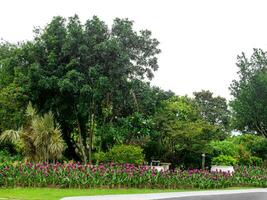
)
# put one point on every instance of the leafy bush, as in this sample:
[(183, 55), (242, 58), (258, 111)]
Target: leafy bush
[(256, 161), (6, 157), (224, 160), (99, 157), (224, 147), (256, 145), (247, 149), (125, 154), (243, 156)]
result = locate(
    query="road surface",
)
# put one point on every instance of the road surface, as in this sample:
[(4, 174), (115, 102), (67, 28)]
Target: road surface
[(244, 194)]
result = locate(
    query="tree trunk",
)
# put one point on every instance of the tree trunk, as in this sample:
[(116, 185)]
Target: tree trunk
[(82, 148), (135, 100), (91, 134), (81, 142)]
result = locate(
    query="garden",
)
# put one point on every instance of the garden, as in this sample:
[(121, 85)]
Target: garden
[(78, 112), (76, 175)]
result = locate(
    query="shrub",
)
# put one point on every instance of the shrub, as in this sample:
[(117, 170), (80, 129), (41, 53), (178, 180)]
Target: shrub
[(125, 154), (256, 161), (256, 145), (224, 147), (6, 157), (224, 160), (100, 157), (247, 149), (243, 157)]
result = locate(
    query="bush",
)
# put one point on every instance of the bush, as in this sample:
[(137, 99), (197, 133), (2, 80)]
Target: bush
[(256, 161), (247, 149), (243, 156), (224, 160), (125, 154), (7, 157), (224, 147), (256, 145), (100, 157)]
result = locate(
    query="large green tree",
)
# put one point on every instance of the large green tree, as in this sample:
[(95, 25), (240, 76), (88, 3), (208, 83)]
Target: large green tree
[(182, 135), (135, 124), (250, 94), (213, 108), (85, 74), (13, 98)]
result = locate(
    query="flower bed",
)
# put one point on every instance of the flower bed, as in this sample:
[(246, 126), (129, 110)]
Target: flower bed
[(75, 175)]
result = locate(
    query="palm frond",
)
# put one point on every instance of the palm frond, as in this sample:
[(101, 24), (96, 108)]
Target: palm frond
[(57, 145), (48, 121), (10, 136), (30, 111)]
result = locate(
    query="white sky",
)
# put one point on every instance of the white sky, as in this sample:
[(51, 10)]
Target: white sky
[(200, 39)]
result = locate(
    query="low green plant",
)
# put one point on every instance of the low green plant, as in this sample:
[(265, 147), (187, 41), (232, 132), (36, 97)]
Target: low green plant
[(99, 157), (6, 157), (110, 175), (123, 154), (224, 147), (224, 160), (256, 161)]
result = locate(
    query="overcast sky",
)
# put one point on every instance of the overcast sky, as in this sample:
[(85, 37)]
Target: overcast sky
[(199, 39)]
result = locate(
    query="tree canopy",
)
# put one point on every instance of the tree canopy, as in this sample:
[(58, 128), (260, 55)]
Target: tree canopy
[(90, 84), (250, 94), (213, 109), (85, 73)]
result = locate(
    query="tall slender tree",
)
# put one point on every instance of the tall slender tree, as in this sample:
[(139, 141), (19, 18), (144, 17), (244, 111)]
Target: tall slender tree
[(250, 94)]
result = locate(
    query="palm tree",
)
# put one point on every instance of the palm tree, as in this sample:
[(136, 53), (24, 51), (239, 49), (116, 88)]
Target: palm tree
[(40, 138)]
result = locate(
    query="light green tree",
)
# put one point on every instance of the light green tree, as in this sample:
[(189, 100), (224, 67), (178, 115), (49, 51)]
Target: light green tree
[(182, 132)]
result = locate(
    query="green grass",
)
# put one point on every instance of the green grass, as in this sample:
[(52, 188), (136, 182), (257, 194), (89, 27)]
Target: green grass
[(56, 194)]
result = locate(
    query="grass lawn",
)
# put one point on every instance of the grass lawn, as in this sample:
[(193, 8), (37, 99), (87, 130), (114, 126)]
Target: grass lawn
[(56, 194)]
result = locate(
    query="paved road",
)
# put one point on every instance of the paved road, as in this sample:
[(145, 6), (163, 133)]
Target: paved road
[(246, 194), (243, 196)]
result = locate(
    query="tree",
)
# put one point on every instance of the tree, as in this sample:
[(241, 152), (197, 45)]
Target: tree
[(13, 98), (146, 99), (135, 125), (256, 145), (213, 109), (84, 73), (181, 132), (40, 139), (12, 101), (250, 94), (246, 148)]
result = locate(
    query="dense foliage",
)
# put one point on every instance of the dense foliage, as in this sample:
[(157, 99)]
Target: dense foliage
[(122, 154), (75, 175), (6, 158), (223, 160), (40, 140), (92, 101), (181, 133), (85, 73), (250, 96), (247, 149), (213, 109)]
